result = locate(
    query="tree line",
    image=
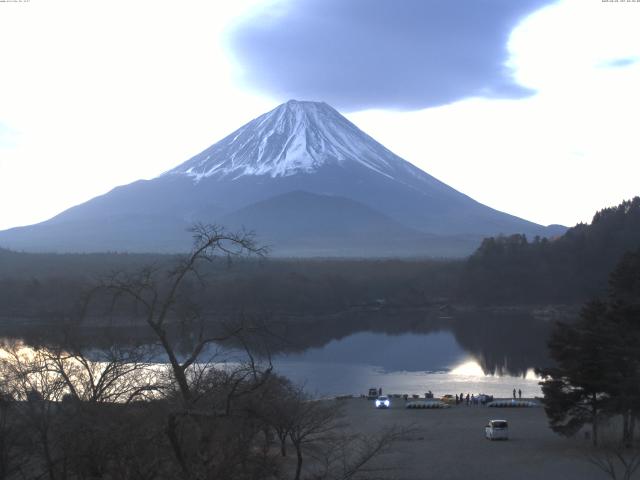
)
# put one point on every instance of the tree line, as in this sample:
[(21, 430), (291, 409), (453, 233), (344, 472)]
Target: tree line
[(47, 287), (505, 270), (569, 269)]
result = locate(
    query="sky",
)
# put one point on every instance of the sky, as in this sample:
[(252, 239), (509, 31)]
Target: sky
[(529, 107)]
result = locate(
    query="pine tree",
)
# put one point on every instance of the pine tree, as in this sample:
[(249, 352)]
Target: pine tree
[(624, 313), (576, 388), (597, 360)]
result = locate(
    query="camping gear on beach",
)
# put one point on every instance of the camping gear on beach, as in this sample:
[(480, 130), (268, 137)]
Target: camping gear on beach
[(427, 404), (512, 404)]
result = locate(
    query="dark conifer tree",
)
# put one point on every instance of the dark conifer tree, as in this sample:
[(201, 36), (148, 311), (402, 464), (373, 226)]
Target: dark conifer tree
[(624, 313), (576, 389), (597, 371)]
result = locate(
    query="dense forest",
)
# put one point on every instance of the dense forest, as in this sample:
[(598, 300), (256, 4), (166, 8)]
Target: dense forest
[(509, 270), (49, 286), (569, 269)]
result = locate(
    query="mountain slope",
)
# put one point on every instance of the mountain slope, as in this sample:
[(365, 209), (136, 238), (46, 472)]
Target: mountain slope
[(262, 171), (305, 224)]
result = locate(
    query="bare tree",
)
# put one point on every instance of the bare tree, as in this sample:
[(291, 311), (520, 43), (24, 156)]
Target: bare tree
[(615, 457), (325, 447), (117, 374), (213, 418), (350, 456), (58, 391), (28, 379), (618, 462), (312, 422), (159, 298), (12, 458), (277, 407)]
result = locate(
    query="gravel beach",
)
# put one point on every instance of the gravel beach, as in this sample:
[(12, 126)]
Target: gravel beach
[(449, 443)]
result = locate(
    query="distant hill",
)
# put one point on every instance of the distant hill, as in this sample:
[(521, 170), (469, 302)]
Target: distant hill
[(571, 268)]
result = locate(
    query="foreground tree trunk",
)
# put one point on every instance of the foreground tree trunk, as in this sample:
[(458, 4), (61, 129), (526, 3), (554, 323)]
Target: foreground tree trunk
[(628, 426), (298, 461), (594, 422)]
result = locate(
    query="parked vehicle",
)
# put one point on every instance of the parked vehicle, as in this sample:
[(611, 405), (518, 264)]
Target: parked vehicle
[(383, 402), (496, 430)]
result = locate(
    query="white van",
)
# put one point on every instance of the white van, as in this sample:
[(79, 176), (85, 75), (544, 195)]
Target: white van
[(497, 430)]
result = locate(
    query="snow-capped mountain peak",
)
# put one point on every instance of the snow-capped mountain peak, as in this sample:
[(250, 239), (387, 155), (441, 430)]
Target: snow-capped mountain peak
[(302, 176), (296, 137)]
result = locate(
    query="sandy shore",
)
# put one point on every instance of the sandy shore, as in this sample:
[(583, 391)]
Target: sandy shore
[(450, 444)]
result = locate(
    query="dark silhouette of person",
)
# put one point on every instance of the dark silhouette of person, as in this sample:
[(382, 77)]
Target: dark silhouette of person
[(514, 393), (467, 399), (380, 392), (457, 399), (519, 393)]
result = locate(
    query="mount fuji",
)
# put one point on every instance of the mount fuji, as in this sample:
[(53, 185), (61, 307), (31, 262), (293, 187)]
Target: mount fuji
[(304, 178)]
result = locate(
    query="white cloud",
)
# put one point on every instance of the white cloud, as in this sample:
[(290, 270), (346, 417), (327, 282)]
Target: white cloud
[(558, 156)]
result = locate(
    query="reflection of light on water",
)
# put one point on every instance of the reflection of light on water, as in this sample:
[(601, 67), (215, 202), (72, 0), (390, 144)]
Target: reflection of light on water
[(19, 350), (470, 368), (531, 375)]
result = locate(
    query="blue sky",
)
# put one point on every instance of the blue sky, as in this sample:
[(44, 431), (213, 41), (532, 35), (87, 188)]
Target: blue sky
[(529, 107)]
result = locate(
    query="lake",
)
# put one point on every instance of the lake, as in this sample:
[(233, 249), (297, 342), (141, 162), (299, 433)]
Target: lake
[(406, 363), (471, 352)]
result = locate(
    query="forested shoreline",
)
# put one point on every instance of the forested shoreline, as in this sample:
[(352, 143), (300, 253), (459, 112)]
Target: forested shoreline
[(512, 270)]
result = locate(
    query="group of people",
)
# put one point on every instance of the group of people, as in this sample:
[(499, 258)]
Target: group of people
[(469, 399), (472, 399)]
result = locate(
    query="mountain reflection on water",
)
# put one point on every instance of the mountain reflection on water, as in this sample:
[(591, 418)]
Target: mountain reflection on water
[(502, 344), (485, 353), (406, 352)]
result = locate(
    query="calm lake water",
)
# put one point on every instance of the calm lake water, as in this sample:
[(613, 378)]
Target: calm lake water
[(406, 363), (476, 352)]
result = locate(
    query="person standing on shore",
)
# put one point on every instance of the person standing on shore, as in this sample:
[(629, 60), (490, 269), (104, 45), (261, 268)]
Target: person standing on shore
[(519, 394), (514, 393)]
